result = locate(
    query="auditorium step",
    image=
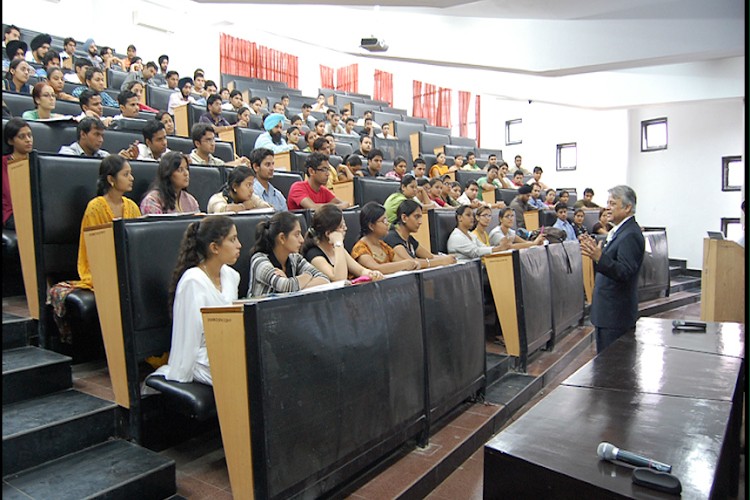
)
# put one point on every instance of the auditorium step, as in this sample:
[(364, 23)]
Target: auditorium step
[(114, 469), (675, 300), (497, 365), (17, 330), (684, 282), (30, 372), (48, 427)]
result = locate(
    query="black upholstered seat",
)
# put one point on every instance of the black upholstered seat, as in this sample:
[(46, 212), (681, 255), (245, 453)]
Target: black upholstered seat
[(193, 399), (442, 224), (370, 189)]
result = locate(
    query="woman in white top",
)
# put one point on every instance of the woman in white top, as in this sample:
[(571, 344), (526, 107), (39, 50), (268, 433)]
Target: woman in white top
[(202, 277), (504, 234), (237, 194), (465, 244)]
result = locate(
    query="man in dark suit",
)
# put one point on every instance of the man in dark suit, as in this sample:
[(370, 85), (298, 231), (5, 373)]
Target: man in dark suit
[(614, 309)]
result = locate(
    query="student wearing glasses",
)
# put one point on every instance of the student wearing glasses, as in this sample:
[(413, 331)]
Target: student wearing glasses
[(504, 233), (312, 193), (463, 243), (44, 100)]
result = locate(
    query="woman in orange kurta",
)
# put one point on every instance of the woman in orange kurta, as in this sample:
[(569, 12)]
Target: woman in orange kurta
[(371, 251)]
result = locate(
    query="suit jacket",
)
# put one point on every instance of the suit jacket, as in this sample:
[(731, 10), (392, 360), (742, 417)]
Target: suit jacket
[(615, 302)]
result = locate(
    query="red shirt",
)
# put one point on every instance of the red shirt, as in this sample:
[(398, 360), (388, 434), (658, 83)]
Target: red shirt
[(301, 190), (7, 205)]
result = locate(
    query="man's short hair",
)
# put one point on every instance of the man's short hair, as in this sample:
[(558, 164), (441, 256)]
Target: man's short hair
[(306, 106), (152, 65), (236, 92), (91, 71), (493, 167), (257, 155), (198, 72), (491, 156), (419, 161), (152, 127), (123, 96), (350, 119), (212, 99), (353, 160), (314, 160), (274, 104), (81, 62), (67, 40), (86, 95), (12, 27), (131, 46), (87, 124), (502, 164), (587, 191), (538, 169), (50, 56), (625, 194), (363, 137), (470, 153), (254, 99), (285, 96), (211, 83), (561, 206), (199, 130), (517, 173), (162, 58), (471, 182), (319, 143), (517, 157), (170, 73), (373, 153)]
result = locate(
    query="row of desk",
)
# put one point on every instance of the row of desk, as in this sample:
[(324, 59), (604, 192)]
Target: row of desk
[(672, 396)]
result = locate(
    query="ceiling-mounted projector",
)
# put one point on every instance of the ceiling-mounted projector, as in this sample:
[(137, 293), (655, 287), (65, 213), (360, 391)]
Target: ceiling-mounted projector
[(374, 45)]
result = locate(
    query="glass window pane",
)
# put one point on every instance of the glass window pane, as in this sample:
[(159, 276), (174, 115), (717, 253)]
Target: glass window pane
[(513, 130), (734, 231)]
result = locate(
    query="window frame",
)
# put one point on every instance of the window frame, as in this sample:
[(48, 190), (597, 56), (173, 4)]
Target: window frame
[(644, 134), (725, 162), (726, 221), (560, 147), (508, 125)]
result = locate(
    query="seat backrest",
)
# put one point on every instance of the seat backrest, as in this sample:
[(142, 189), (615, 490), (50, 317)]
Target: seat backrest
[(352, 140), (463, 176), (194, 114), (429, 141), (344, 149), (404, 129), (158, 97), (506, 195), (351, 218), (442, 224), (297, 162), (205, 181), (359, 107), (284, 180), (438, 130), (467, 143), (486, 152), (368, 189), (392, 148), (382, 117), (334, 160), (49, 137), (244, 140), (115, 79), (18, 103), (454, 150)]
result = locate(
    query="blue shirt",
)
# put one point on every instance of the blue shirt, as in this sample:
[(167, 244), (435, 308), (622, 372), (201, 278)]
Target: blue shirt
[(264, 141), (536, 203), (568, 228), (107, 100), (273, 196)]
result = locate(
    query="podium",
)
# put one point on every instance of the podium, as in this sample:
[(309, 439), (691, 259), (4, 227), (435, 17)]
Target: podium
[(723, 281)]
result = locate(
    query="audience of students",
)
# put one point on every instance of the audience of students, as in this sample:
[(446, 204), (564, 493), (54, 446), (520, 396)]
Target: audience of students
[(400, 239), (262, 161), (561, 210), (504, 235), (44, 101), (586, 201), (371, 251), (237, 194), (407, 190), (168, 192), (312, 193), (463, 243)]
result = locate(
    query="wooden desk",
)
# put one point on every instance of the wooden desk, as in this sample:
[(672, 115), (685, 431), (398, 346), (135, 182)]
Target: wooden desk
[(181, 128), (531, 218), (344, 191), (723, 281), (726, 339), (283, 161)]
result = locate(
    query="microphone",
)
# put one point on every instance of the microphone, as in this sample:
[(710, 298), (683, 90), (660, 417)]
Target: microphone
[(608, 451)]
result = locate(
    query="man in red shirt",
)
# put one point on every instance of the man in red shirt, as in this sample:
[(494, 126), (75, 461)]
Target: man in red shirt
[(312, 193)]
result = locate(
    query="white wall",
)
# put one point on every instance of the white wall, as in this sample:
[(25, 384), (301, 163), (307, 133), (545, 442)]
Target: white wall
[(680, 187)]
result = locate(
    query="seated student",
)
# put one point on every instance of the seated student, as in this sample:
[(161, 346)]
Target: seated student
[(292, 137), (320, 104), (276, 265), (537, 178), (44, 101), (365, 146), (115, 179), (137, 88), (419, 169), (272, 138), (362, 122), (109, 60), (297, 122), (324, 247), (141, 73), (490, 182), (448, 190), (201, 278), (386, 132), (90, 133), (469, 196), (237, 194), (408, 220), (243, 116), (312, 193), (17, 135), (95, 81), (80, 65), (14, 49), (407, 190), (323, 146), (185, 87), (350, 167), (439, 168), (471, 162), (349, 124), (262, 161), (310, 137), (334, 125), (603, 225), (235, 102), (371, 251), (562, 222), (483, 217), (399, 169), (128, 103), (520, 204), (155, 139), (213, 115), (17, 77), (204, 140), (436, 192), (172, 80), (458, 161), (578, 226), (502, 176), (535, 201), (50, 60), (586, 202), (518, 178), (549, 199), (564, 197), (168, 192), (57, 82), (256, 103), (167, 120), (463, 243), (504, 234), (374, 164)]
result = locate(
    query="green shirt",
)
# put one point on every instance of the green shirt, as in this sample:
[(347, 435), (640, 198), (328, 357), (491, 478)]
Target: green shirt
[(481, 182)]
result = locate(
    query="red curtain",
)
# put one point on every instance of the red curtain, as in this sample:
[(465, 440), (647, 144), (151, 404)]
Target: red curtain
[(347, 78), (243, 58), (429, 108), (326, 77), (443, 108), (383, 87), (464, 99), (476, 111), (417, 99)]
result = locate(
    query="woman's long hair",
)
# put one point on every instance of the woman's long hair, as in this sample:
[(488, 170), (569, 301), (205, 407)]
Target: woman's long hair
[(267, 231), (194, 246), (162, 183), (237, 175), (111, 165), (369, 214), (325, 219)]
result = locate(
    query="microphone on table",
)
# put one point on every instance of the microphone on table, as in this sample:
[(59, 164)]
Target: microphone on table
[(608, 451)]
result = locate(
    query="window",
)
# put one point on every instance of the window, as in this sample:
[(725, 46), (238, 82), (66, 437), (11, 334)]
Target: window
[(732, 173), (654, 134), (567, 156), (513, 132), (731, 228)]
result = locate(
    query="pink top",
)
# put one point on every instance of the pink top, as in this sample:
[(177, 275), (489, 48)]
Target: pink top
[(152, 204)]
